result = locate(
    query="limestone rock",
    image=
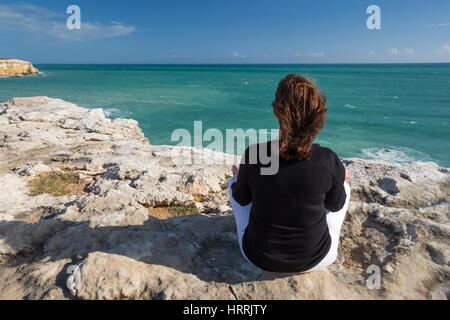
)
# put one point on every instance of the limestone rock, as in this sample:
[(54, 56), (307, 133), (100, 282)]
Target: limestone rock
[(16, 68)]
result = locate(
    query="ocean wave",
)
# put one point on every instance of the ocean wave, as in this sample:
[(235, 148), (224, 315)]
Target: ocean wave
[(409, 122), (395, 154), (42, 74), (349, 106), (116, 113), (28, 76)]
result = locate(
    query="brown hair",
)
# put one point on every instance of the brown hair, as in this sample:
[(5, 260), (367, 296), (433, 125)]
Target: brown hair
[(300, 109)]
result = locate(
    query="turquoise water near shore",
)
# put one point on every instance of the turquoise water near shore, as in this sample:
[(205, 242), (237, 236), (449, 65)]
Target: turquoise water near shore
[(397, 113)]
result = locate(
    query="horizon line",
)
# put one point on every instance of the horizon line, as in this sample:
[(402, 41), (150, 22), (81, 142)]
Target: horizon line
[(249, 63)]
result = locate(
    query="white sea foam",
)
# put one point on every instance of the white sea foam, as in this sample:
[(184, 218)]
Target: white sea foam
[(409, 122), (349, 106), (395, 154), (116, 113), (40, 74)]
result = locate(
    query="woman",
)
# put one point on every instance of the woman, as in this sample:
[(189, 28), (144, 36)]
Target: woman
[(291, 221)]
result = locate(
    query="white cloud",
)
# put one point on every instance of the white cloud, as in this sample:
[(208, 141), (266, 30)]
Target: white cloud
[(316, 54), (42, 22), (446, 47), (397, 52), (298, 54), (372, 53), (394, 51), (237, 54), (440, 25)]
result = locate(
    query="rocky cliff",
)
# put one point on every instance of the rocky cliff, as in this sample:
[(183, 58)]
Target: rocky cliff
[(13, 68), (90, 210)]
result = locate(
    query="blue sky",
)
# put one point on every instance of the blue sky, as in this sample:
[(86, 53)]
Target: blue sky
[(231, 31)]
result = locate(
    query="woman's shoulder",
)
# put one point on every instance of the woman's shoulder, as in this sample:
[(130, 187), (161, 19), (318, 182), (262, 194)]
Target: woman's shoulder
[(324, 152), (268, 146), (254, 152)]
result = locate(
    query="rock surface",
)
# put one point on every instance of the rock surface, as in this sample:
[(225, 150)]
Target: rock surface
[(119, 239), (14, 68)]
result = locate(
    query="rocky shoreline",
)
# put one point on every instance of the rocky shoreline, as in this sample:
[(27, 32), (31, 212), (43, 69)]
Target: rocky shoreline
[(135, 225), (16, 68)]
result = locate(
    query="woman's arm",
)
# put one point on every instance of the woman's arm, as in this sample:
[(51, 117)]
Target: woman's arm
[(241, 189), (335, 197)]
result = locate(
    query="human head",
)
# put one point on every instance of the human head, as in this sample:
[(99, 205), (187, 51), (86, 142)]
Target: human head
[(301, 111)]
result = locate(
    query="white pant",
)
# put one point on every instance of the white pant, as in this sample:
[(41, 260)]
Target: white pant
[(334, 221)]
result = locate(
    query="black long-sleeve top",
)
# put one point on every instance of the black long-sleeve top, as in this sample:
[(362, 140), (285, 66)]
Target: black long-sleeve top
[(287, 229)]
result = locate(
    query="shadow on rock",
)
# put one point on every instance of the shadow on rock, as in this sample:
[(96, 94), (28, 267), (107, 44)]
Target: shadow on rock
[(203, 246)]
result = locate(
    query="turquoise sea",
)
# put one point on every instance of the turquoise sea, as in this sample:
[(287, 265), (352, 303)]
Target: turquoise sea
[(394, 112)]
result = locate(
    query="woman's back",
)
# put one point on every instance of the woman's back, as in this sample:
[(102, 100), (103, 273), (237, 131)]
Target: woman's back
[(287, 229)]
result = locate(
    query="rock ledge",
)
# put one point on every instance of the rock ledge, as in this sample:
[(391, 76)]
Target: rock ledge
[(123, 236)]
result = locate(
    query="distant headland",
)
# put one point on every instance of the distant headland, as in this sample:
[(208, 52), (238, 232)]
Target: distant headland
[(16, 68)]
